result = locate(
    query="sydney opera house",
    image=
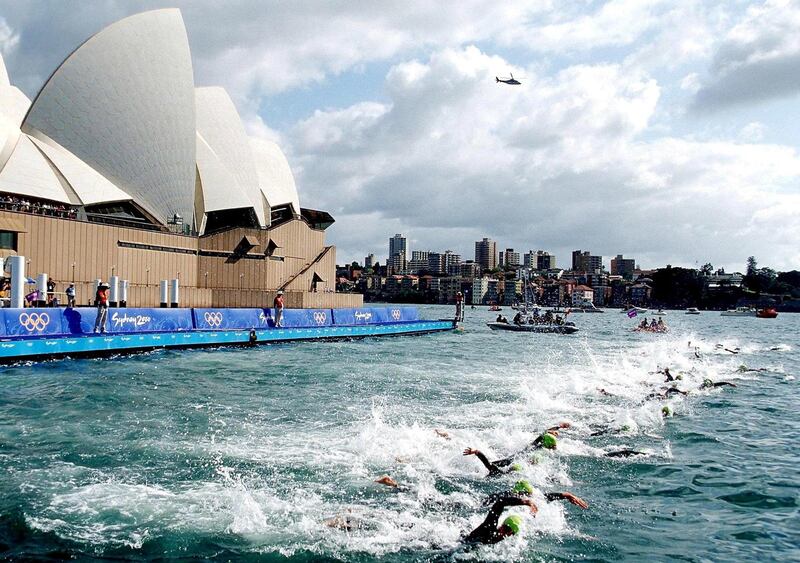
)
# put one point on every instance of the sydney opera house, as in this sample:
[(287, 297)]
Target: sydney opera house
[(122, 166)]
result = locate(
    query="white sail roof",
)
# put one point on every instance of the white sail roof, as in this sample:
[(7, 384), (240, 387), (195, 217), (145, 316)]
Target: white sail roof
[(220, 126), (275, 177), (88, 184), (123, 103), (28, 173), (220, 188)]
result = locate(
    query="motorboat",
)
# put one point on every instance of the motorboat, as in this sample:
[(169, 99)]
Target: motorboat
[(544, 328), (767, 313), (692, 311), (495, 308), (639, 310), (586, 308), (660, 313), (739, 312)]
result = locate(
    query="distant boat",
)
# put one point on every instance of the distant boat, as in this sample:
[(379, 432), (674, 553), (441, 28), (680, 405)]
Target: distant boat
[(660, 312), (639, 310), (768, 313), (692, 311), (495, 308), (739, 312), (545, 328)]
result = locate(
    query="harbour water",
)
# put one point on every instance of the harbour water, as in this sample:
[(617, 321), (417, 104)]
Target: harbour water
[(241, 454)]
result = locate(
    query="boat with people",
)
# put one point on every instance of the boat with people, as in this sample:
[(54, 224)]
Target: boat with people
[(692, 311), (654, 326), (660, 313), (767, 313), (740, 312), (495, 308), (542, 328)]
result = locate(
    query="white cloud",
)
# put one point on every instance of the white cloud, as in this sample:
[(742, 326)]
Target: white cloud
[(758, 60), (556, 163), (8, 38)]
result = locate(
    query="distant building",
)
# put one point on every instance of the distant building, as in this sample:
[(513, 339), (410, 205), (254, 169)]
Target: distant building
[(510, 258), (640, 294), (544, 260), (470, 269), (369, 261), (452, 263), (436, 263), (397, 244), (583, 261), (512, 291), (397, 263), (623, 266), (419, 261), (582, 295), (480, 287), (486, 254)]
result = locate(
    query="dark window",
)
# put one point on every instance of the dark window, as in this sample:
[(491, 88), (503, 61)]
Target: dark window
[(8, 240)]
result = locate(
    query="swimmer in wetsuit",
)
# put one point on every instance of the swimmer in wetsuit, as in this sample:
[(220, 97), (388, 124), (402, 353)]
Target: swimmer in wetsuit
[(523, 489), (708, 384), (546, 440), (489, 532)]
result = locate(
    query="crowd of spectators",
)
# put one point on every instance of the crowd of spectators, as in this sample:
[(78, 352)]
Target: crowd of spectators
[(16, 203)]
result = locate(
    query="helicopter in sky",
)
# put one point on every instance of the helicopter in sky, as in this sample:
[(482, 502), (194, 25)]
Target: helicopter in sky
[(512, 81)]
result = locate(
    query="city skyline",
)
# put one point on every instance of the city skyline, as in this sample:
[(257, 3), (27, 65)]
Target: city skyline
[(664, 130)]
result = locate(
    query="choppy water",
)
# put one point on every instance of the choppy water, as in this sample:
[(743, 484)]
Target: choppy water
[(243, 453)]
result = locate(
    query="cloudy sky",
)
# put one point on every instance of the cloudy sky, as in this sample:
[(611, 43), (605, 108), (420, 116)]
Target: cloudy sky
[(665, 130)]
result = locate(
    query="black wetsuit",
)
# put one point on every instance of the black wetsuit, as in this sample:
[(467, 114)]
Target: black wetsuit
[(624, 453), (500, 466), (487, 532), (549, 497)]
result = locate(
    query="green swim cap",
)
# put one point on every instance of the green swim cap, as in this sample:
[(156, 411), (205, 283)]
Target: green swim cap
[(514, 523), (625, 428), (708, 383), (679, 377), (666, 411), (516, 467), (548, 441), (523, 487)]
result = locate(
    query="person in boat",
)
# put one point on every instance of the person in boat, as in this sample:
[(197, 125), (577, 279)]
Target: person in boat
[(643, 324), (523, 489), (660, 324), (518, 318), (653, 325), (499, 319)]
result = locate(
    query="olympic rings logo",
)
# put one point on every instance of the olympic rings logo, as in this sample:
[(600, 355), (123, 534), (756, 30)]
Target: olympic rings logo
[(34, 321), (319, 317), (396, 314), (213, 319)]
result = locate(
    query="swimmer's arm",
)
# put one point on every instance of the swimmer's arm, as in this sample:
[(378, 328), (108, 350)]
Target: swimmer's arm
[(484, 460), (558, 427), (567, 496), (724, 383)]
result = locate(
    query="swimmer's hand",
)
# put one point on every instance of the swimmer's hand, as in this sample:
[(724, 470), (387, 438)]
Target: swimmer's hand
[(471, 451), (531, 505), (442, 434), (388, 481), (577, 501)]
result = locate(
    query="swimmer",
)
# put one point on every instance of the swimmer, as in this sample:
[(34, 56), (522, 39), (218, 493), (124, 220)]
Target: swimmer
[(345, 522), (442, 434), (744, 369), (523, 489), (624, 453), (489, 532), (665, 393), (605, 393), (547, 441), (668, 375), (708, 384)]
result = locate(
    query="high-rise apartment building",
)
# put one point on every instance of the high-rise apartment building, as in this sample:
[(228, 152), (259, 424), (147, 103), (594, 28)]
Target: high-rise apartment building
[(583, 261), (486, 254), (623, 266), (419, 261), (510, 258), (545, 260), (397, 244), (369, 261)]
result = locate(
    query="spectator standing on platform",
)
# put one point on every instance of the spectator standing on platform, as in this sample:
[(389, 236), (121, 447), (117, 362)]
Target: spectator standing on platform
[(101, 302), (51, 292), (70, 295), (459, 307), (278, 304)]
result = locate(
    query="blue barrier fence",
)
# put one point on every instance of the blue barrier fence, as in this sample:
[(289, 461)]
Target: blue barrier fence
[(81, 320)]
